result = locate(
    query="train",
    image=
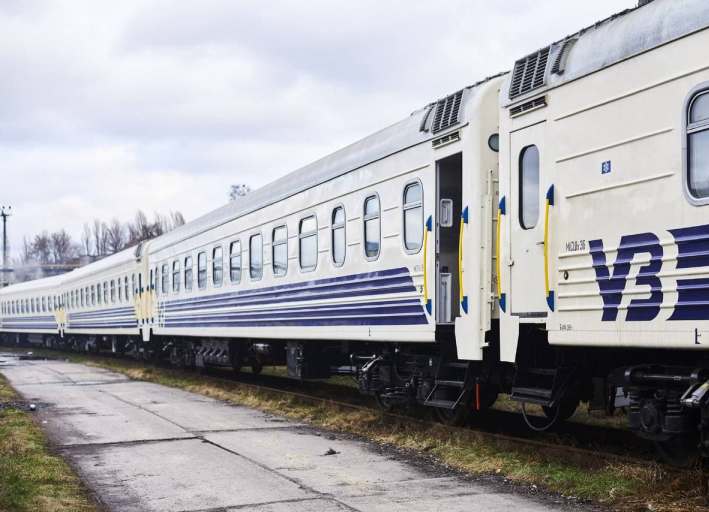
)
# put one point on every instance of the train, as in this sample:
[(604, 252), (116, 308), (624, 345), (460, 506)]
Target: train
[(543, 233)]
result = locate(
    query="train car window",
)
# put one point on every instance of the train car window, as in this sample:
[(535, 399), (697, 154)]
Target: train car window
[(176, 276), (279, 251), (413, 217), (529, 187), (93, 295), (81, 296), (164, 279), (44, 304), (113, 291), (372, 227), (697, 175), (235, 261), (126, 292), (50, 304), (256, 257), (339, 246), (120, 290), (202, 270), (133, 285), (188, 274), (217, 266), (308, 243)]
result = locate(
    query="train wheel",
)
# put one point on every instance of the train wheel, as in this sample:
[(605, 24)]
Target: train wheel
[(566, 408), (256, 366), (453, 417), (384, 403)]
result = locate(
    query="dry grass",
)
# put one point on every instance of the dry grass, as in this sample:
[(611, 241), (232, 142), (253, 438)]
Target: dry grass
[(31, 477)]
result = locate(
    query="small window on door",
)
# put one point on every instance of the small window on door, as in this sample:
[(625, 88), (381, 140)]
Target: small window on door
[(697, 172), (372, 228), (339, 247), (529, 187), (256, 257)]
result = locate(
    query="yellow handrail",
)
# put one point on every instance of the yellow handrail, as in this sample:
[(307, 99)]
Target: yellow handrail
[(548, 291), (429, 228), (498, 259), (463, 297)]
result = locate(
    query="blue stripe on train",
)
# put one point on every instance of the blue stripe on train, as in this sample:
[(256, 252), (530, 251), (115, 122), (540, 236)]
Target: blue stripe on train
[(398, 276)]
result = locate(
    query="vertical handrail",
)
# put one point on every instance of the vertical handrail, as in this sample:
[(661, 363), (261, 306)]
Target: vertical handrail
[(549, 292), (463, 297), (429, 228), (501, 297)]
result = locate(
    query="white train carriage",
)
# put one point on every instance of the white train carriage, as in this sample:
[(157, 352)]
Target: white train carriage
[(100, 301), (605, 214), (387, 240), (31, 310)]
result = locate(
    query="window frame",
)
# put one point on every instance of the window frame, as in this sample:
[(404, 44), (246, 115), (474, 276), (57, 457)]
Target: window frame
[(202, 285), (687, 130), (273, 250), (364, 226), (164, 279), (410, 206), (113, 291), (520, 185), (176, 275), (251, 275), (309, 234), (188, 284), (332, 233), (232, 256)]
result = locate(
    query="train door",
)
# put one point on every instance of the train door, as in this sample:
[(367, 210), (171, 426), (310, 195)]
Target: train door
[(449, 175), (526, 217)]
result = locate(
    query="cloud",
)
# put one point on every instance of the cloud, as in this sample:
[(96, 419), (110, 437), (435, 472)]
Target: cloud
[(112, 106)]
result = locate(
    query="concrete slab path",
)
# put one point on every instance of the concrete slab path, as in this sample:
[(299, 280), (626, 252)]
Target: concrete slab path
[(144, 447)]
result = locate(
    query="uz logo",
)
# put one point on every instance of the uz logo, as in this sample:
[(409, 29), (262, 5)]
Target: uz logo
[(692, 294)]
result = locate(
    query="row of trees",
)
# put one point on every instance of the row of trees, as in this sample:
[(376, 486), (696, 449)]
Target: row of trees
[(98, 239)]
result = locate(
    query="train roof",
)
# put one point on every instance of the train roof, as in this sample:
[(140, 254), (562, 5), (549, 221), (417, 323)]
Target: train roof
[(114, 260), (32, 286), (409, 132), (605, 43)]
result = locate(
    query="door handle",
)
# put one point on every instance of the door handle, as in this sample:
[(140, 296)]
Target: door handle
[(501, 298)]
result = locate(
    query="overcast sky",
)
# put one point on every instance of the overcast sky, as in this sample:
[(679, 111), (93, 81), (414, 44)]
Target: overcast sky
[(109, 106)]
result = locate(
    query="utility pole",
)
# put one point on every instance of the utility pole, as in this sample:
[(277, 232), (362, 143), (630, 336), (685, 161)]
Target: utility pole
[(5, 212)]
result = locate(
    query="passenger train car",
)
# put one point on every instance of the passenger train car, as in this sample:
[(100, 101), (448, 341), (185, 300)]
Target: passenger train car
[(541, 233)]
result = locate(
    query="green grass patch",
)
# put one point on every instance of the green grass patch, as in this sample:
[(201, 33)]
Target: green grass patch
[(31, 477)]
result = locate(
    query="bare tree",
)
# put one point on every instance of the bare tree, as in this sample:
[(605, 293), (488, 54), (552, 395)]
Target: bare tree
[(61, 246), (97, 233), (104, 239), (41, 247), (86, 239), (116, 236), (238, 191), (177, 219), (27, 251)]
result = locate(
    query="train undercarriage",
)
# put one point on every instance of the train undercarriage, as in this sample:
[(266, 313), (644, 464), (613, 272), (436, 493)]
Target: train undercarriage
[(665, 401)]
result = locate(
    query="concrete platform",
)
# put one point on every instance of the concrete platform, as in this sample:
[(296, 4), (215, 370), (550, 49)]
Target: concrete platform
[(144, 447)]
